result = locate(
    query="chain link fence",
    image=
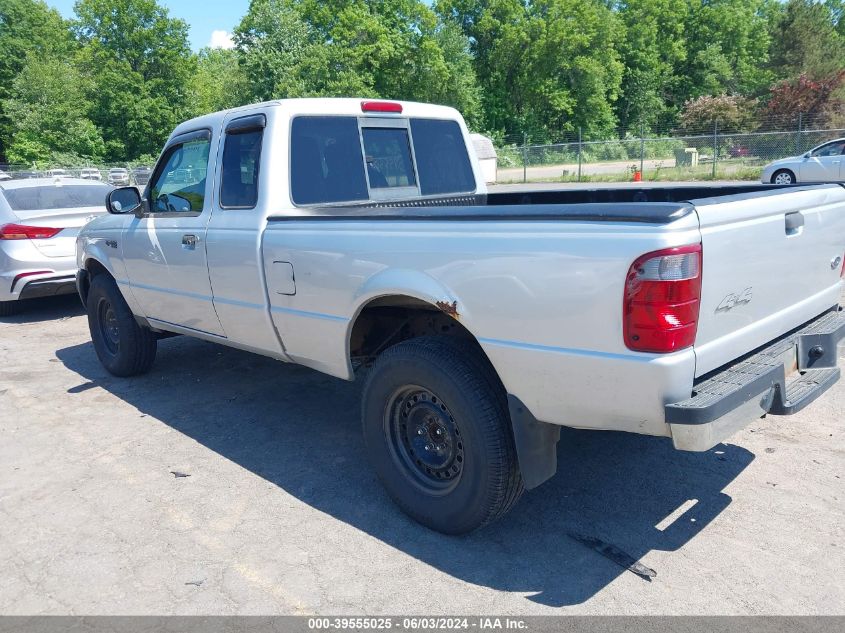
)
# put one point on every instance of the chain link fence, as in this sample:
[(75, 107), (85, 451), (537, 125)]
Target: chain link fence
[(705, 152), (697, 154)]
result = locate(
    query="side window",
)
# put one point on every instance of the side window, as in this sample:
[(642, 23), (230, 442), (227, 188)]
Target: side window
[(179, 182), (831, 149), (443, 164), (326, 160), (239, 178), (388, 156)]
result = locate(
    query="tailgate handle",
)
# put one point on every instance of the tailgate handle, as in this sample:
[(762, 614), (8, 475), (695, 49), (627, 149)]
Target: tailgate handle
[(794, 222)]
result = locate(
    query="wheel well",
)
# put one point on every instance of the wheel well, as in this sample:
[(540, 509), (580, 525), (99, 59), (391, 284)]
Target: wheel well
[(93, 268), (386, 321), (784, 169)]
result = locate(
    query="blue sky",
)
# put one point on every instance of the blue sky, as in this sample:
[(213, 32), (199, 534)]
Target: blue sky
[(203, 16)]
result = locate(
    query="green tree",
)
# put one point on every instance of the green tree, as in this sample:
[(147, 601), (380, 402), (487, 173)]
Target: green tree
[(27, 27), (806, 40), (652, 49), (379, 48), (141, 67), (727, 48), (49, 112), (218, 83), (546, 66), (275, 47)]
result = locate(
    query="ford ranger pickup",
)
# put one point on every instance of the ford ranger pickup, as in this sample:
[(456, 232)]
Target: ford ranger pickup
[(357, 237)]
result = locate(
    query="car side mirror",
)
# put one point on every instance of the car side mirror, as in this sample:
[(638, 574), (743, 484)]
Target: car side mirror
[(123, 200), (806, 155)]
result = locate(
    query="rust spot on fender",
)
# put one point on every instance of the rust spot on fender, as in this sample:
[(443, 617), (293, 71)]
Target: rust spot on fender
[(449, 308)]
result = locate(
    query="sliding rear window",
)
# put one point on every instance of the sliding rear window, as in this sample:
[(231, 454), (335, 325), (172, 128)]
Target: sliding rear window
[(442, 160), (335, 160), (326, 160)]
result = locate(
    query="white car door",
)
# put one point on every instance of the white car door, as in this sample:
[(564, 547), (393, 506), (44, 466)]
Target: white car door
[(165, 250), (824, 163)]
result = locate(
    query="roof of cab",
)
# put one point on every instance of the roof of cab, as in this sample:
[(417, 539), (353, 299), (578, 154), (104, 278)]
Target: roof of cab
[(318, 106)]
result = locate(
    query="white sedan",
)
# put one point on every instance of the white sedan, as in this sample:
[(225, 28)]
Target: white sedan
[(824, 163)]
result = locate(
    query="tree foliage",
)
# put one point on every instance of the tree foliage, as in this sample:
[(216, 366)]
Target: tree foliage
[(731, 113), (112, 83), (48, 104)]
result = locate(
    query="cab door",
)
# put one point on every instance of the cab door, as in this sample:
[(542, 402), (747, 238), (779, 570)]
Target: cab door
[(165, 250), (824, 163)]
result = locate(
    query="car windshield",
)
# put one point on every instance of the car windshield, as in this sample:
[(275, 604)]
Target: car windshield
[(53, 197)]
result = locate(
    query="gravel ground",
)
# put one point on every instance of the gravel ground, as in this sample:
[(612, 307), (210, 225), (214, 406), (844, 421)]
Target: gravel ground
[(280, 514)]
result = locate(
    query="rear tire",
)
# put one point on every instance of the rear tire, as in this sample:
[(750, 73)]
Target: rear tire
[(10, 308), (783, 177), (438, 432), (123, 347)]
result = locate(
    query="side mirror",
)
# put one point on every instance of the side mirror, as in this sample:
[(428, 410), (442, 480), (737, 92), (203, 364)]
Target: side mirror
[(123, 200), (805, 155)]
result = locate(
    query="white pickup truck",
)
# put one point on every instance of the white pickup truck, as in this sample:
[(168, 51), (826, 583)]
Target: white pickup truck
[(357, 237)]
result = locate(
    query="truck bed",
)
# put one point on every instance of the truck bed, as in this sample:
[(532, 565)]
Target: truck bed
[(648, 205)]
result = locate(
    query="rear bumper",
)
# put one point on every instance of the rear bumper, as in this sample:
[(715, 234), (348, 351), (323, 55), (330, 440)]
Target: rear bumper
[(763, 382), (64, 285)]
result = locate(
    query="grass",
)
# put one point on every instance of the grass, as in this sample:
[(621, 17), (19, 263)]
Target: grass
[(701, 173)]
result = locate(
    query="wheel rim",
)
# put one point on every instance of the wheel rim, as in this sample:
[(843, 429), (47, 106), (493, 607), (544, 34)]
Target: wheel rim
[(783, 179), (107, 320), (424, 439)]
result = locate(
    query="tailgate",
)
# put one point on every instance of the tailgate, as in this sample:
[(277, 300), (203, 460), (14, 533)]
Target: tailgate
[(772, 262)]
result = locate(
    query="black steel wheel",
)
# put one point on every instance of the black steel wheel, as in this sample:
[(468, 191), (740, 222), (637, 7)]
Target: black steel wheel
[(424, 437), (437, 431), (124, 347)]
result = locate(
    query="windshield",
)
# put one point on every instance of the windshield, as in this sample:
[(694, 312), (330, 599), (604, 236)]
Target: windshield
[(53, 197)]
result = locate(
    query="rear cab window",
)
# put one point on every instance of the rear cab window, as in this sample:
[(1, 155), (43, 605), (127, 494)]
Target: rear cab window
[(337, 159)]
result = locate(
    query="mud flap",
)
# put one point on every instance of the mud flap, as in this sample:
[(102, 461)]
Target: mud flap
[(536, 444)]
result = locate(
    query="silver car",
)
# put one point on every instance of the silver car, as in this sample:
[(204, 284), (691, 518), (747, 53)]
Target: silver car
[(824, 163), (90, 173), (118, 176), (39, 221)]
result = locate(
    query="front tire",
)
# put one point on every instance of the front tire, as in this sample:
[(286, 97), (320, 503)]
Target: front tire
[(9, 308), (123, 347), (784, 177), (437, 431)]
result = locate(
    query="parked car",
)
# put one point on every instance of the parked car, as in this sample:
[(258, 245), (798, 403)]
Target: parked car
[(90, 173), (739, 151), (57, 173), (39, 222), (358, 237), (141, 175), (824, 163), (4, 176), (118, 176)]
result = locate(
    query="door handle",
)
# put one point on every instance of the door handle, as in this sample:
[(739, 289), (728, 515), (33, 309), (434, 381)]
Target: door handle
[(794, 222), (190, 241)]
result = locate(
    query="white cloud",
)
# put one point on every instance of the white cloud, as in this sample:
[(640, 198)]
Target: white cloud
[(221, 39)]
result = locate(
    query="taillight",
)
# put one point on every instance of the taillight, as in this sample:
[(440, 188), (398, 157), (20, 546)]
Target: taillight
[(662, 299), (23, 232), (381, 106)]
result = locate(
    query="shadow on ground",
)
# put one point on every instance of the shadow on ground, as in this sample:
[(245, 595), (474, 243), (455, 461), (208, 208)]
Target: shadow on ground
[(300, 430), (46, 309)]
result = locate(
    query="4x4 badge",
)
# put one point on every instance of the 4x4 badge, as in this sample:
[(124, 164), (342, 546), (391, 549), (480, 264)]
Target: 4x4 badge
[(734, 299)]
